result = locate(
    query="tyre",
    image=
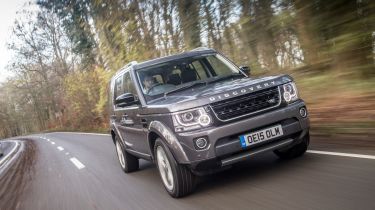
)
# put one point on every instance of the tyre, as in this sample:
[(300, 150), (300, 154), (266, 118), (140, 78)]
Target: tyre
[(128, 162), (295, 151), (178, 180)]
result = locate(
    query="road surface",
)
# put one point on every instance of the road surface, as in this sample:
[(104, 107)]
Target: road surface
[(81, 171)]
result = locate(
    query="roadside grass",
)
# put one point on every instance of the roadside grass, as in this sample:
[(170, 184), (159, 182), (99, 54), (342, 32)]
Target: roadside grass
[(338, 104), (102, 130)]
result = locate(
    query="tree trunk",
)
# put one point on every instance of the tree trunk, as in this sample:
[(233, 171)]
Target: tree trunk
[(306, 30), (190, 22)]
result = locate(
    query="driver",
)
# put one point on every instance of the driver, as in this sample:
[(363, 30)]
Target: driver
[(148, 82)]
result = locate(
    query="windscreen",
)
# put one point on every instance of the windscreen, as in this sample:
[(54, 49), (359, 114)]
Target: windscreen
[(159, 79)]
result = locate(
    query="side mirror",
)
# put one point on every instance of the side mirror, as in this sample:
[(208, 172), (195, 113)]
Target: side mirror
[(245, 69), (125, 99)]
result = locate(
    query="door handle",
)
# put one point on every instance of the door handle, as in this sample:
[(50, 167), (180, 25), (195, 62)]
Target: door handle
[(129, 122)]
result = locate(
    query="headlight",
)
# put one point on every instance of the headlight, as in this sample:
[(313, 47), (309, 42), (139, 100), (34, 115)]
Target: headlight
[(290, 92), (191, 119)]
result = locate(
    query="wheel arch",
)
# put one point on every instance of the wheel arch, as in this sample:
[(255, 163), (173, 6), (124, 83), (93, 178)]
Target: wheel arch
[(113, 135), (159, 130), (152, 136)]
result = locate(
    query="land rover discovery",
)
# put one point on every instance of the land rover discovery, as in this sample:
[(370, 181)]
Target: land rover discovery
[(197, 112)]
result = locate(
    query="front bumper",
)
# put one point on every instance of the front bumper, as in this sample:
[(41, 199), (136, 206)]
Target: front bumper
[(224, 145)]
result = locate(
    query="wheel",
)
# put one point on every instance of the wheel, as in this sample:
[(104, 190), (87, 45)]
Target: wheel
[(178, 180), (296, 151), (128, 162)]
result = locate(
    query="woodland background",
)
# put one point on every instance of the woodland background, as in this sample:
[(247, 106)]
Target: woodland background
[(65, 51)]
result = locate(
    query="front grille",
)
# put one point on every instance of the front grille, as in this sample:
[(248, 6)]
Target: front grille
[(246, 104)]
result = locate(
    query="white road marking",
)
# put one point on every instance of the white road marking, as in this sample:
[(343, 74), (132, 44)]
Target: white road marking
[(4, 158), (52, 142), (60, 148), (77, 163), (342, 154)]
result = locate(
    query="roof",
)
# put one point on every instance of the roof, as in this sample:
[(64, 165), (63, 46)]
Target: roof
[(191, 53), (194, 52)]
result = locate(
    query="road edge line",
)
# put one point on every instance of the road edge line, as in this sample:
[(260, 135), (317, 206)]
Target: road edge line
[(82, 133), (341, 154), (7, 157)]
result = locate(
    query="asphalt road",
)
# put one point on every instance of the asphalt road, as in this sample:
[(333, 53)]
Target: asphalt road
[(81, 171)]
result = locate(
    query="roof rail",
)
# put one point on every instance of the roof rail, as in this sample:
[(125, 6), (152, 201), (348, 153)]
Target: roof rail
[(130, 64), (126, 66)]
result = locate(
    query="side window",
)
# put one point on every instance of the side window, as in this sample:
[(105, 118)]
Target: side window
[(218, 66), (200, 69), (124, 84), (119, 87), (129, 85)]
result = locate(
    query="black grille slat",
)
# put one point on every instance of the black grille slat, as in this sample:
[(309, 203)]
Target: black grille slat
[(246, 104)]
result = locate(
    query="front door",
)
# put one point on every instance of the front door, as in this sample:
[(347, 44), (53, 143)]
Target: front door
[(127, 118)]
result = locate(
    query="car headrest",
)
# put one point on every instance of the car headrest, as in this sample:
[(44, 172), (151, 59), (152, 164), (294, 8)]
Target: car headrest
[(188, 76), (174, 79)]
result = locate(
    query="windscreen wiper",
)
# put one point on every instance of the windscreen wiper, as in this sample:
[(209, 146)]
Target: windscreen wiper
[(225, 77), (186, 87)]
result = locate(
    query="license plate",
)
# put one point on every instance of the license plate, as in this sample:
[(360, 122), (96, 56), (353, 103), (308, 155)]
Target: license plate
[(261, 136)]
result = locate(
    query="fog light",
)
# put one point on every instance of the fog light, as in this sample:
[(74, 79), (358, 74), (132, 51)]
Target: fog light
[(303, 112), (201, 143), (204, 120)]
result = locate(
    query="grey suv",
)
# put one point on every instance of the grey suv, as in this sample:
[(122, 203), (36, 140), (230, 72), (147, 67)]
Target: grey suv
[(197, 112)]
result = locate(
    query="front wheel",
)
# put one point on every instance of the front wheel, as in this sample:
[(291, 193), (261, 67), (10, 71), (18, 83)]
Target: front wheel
[(178, 180), (295, 151)]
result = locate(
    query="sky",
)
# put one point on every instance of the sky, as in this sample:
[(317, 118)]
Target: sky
[(8, 10)]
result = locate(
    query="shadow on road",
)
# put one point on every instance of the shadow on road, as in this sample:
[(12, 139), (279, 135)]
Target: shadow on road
[(253, 170)]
